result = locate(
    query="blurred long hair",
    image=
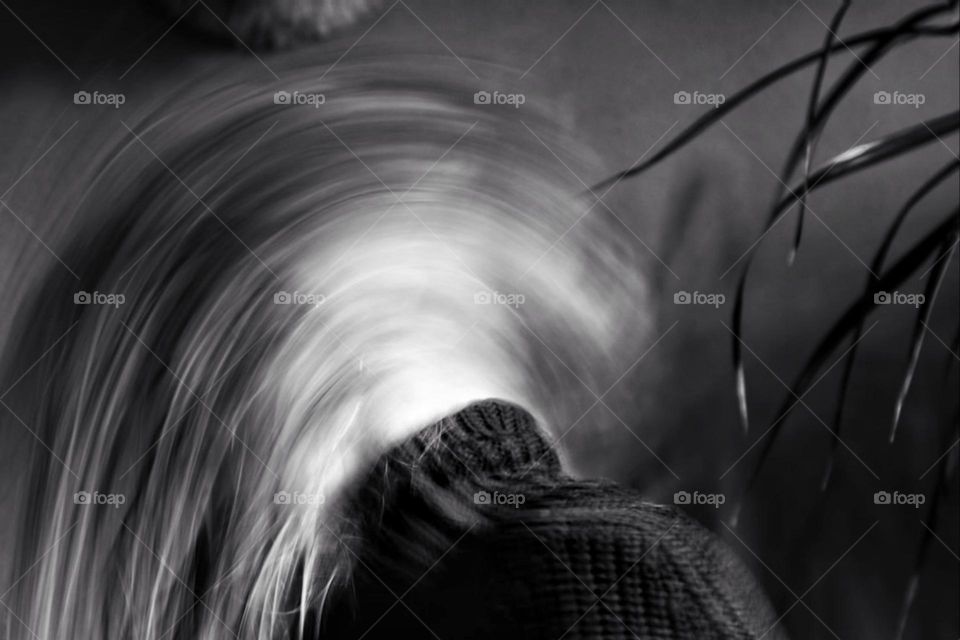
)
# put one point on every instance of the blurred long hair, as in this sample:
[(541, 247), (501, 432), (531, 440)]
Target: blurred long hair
[(267, 286)]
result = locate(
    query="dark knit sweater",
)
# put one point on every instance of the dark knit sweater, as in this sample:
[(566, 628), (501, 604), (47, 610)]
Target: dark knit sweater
[(471, 530)]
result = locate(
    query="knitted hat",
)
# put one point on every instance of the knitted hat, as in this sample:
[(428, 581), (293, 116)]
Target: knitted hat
[(471, 530)]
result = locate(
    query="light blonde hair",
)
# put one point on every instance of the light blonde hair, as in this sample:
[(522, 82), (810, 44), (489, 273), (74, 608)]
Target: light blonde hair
[(301, 287)]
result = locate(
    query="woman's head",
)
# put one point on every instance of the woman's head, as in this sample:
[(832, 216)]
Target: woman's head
[(271, 286)]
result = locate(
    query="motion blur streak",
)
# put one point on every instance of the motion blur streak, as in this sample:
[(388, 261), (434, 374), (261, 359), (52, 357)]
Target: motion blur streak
[(301, 287)]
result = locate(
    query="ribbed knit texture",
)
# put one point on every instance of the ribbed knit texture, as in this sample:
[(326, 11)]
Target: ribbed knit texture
[(443, 549)]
